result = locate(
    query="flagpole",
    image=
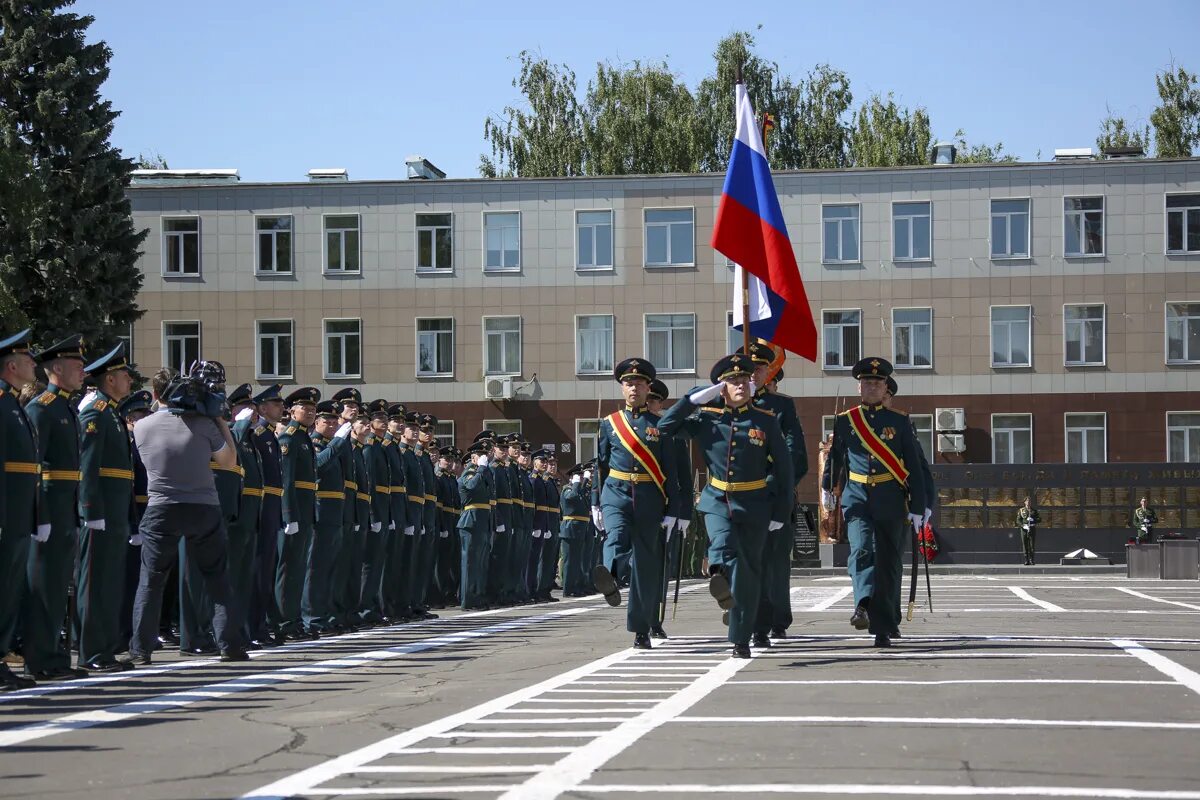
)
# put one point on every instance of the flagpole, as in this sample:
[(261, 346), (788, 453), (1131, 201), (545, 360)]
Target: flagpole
[(745, 274)]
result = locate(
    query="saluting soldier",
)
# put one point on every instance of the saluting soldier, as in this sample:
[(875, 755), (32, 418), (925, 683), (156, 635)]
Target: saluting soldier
[(549, 559), (499, 591), (476, 495), (132, 410), (360, 434), (396, 547), (429, 535), (20, 468), (374, 533), (414, 513), (242, 534), (447, 551), (540, 523), (299, 510), (573, 532), (52, 556), (105, 495), (877, 450), (522, 530), (1144, 520), (331, 442), (634, 493), (1028, 520), (263, 620), (749, 494), (346, 402)]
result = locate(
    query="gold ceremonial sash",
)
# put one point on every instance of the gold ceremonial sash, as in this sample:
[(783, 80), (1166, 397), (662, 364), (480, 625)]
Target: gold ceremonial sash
[(876, 446), (637, 448)]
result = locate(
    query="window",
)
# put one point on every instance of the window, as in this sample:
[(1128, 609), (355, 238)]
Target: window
[(1183, 437), (734, 338), (435, 347), (670, 241), (181, 246), (671, 342), (1083, 335), (501, 241), (1183, 333), (1085, 438), (435, 243), (127, 338), (1012, 438), (341, 244), (343, 348), (1183, 223), (443, 433), (594, 344), (586, 433), (181, 344), (911, 231), (274, 348), (839, 231), (912, 337), (1010, 229), (593, 240), (923, 424), (1010, 336), (842, 335), (1083, 226), (502, 427), (827, 423), (502, 345), (274, 245)]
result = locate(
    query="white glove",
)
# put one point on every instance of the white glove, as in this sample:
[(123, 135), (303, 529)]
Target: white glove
[(409, 530), (357, 528), (95, 524), (245, 413), (702, 396), (753, 387), (669, 526), (537, 534), (136, 540), (499, 529), (392, 525), (292, 527), (587, 473), (376, 527), (445, 534), (681, 524), (343, 431), (43, 533), (576, 479), (774, 526), (598, 518), (915, 519), (928, 516), (83, 401), (828, 501), (483, 461)]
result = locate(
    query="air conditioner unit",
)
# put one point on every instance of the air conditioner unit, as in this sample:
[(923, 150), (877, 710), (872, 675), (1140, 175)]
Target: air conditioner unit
[(950, 419), (498, 388), (951, 443)]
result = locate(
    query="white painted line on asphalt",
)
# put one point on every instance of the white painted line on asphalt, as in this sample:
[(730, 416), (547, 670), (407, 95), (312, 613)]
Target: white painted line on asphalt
[(549, 720), (246, 683), (1013, 609), (1156, 599), (628, 683), (607, 691), (977, 637), (589, 700), (996, 722), (918, 790), (485, 751), (837, 596), (1042, 604), (410, 790), (1166, 666), (886, 655), (985, 681), (462, 734), (570, 772), (495, 769), (568, 711)]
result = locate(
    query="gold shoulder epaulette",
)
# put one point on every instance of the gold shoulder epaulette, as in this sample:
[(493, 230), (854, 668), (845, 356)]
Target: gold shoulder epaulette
[(100, 405), (46, 398), (764, 410), (291, 429), (713, 409)]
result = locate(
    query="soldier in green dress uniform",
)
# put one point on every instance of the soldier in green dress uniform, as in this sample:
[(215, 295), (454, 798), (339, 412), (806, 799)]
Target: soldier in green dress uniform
[(331, 443), (1028, 520), (476, 495), (105, 498), (243, 532), (397, 549), (375, 532), (750, 489), (1144, 520), (299, 510), (574, 531), (52, 555), (876, 449)]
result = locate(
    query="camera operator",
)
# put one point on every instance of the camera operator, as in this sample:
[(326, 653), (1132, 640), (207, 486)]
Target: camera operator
[(177, 444)]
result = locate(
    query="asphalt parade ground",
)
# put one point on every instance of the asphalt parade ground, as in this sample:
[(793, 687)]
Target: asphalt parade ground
[(1012, 686)]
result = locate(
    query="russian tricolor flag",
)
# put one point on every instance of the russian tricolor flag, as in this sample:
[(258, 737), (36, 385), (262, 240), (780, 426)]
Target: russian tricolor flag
[(750, 231)]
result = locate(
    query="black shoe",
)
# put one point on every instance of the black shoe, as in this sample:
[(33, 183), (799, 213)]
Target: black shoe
[(265, 642), (760, 640), (606, 584), (199, 651), (55, 674), (136, 660), (295, 636), (641, 641), (550, 599), (101, 666), (882, 640), (778, 633), (860, 619), (894, 634), (725, 619), (168, 638), (741, 651), (657, 632), (13, 681), (718, 587), (235, 654), (253, 646)]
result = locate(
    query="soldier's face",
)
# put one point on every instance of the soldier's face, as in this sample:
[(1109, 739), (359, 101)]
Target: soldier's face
[(304, 414), (760, 375), (653, 404), (327, 426), (349, 411), (379, 425), (736, 390), (68, 374), (19, 369), (359, 429), (872, 390), (272, 411), (117, 384), (635, 391)]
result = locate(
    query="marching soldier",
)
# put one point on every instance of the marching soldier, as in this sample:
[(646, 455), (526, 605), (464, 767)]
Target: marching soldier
[(20, 467), (299, 511), (878, 451), (243, 533), (476, 495), (1027, 520), (331, 442), (105, 494), (396, 548), (262, 621), (1144, 520), (750, 488), (635, 487), (52, 555), (374, 532)]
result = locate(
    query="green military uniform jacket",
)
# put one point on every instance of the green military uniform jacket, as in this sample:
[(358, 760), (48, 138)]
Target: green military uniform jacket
[(869, 492), (57, 427), (576, 515), (20, 465), (106, 464), (299, 476), (1146, 517), (1031, 516)]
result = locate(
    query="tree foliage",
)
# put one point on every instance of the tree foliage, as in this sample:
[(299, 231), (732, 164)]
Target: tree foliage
[(886, 135), (546, 139), (1116, 132), (1176, 120), (966, 153), (151, 160), (68, 248)]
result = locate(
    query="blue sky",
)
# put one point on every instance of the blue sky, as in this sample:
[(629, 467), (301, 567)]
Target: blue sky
[(276, 88)]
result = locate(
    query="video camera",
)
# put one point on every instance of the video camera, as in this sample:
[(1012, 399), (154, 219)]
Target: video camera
[(201, 391)]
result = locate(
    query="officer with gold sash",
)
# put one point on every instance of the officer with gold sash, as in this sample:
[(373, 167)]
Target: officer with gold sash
[(749, 494), (876, 450), (635, 488)]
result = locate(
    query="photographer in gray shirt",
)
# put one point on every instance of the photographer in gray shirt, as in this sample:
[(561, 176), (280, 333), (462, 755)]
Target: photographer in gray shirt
[(176, 445)]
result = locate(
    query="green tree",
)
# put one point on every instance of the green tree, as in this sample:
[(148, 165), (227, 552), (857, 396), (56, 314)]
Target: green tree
[(1176, 119), (72, 266), (151, 160), (886, 135), (980, 153), (18, 201), (1116, 132)]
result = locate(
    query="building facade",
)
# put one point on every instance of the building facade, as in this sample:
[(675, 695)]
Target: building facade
[(1056, 304)]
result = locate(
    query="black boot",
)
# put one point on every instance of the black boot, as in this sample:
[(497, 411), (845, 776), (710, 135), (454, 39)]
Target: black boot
[(760, 640), (718, 587), (657, 632), (860, 619), (606, 584), (741, 651), (882, 640), (641, 641)]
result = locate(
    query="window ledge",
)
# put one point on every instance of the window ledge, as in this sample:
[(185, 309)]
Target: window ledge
[(435, 376), (343, 377), (431, 271), (341, 273), (913, 367), (587, 270), (501, 270), (1012, 258), (259, 274), (842, 263), (183, 275), (1012, 366), (1084, 256), (674, 371), (681, 265), (907, 261)]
